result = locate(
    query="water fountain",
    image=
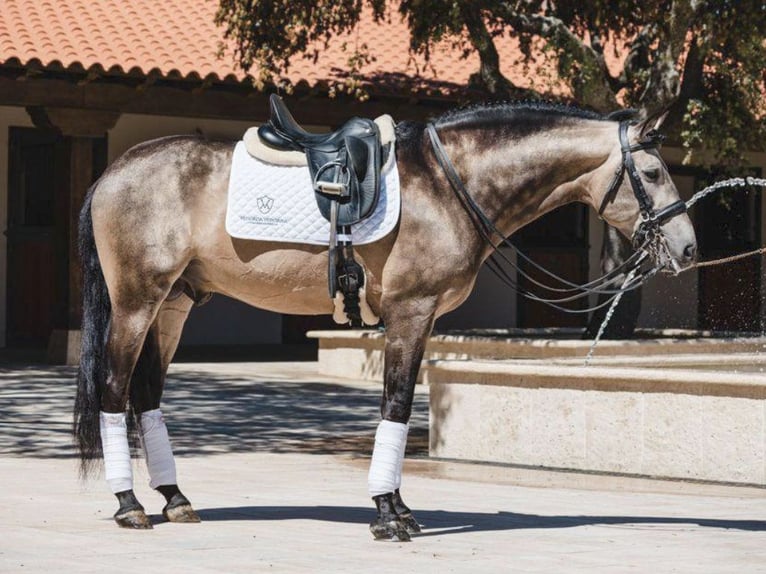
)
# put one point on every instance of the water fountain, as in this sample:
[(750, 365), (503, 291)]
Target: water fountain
[(668, 403)]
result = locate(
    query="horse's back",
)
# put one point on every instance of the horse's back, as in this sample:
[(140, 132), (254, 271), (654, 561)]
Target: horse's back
[(192, 162), (148, 203)]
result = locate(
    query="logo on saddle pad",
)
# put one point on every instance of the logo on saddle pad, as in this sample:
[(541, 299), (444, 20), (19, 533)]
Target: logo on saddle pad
[(264, 203)]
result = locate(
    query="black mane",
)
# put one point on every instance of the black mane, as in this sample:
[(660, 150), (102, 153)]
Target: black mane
[(526, 117), (519, 119)]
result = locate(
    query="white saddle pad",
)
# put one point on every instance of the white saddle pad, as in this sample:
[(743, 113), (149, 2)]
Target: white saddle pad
[(276, 203)]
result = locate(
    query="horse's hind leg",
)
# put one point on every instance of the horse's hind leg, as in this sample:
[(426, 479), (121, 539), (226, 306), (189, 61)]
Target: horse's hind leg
[(145, 394), (136, 298), (127, 332)]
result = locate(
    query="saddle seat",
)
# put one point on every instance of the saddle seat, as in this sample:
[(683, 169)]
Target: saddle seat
[(344, 164), (283, 132)]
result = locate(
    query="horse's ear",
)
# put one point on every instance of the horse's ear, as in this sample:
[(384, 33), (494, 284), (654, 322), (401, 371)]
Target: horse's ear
[(651, 122)]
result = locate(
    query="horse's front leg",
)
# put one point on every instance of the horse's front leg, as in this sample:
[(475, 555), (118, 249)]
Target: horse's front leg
[(408, 326)]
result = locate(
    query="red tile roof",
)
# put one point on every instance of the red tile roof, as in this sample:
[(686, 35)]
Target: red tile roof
[(178, 39)]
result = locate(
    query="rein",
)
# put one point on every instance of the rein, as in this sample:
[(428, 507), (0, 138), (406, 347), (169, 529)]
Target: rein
[(724, 260), (648, 231)]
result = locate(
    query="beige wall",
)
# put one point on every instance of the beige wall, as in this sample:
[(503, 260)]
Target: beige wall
[(132, 129)]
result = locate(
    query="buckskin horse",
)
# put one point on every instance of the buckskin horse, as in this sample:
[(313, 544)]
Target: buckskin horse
[(152, 241)]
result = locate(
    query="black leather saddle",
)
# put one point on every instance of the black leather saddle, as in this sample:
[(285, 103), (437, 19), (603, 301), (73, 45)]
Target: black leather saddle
[(344, 164)]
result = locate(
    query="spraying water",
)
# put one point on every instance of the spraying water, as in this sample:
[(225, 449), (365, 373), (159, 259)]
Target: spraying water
[(608, 315), (733, 182)]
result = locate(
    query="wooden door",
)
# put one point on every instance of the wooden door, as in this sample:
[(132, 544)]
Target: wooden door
[(34, 248), (42, 230)]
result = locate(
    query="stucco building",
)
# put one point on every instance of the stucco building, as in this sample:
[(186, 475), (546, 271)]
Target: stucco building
[(81, 82)]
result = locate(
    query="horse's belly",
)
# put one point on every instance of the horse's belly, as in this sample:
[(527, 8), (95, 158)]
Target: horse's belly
[(290, 298), (301, 300), (280, 278)]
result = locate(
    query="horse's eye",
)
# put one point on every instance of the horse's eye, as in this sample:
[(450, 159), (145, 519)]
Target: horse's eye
[(652, 174)]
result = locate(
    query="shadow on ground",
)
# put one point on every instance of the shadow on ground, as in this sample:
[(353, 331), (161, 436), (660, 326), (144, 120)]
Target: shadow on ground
[(209, 413), (439, 522)]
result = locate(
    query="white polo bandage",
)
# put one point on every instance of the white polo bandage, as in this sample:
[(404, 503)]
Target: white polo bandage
[(114, 440), (157, 449), (386, 466)]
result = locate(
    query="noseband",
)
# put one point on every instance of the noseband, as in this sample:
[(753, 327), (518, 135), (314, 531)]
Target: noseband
[(651, 220)]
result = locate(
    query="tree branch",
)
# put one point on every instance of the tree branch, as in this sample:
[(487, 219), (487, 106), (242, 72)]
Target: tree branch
[(590, 76), (664, 83), (489, 72)]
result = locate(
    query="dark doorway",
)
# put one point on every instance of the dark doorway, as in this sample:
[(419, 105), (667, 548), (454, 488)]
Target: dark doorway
[(39, 231), (558, 241), (34, 158), (726, 224)]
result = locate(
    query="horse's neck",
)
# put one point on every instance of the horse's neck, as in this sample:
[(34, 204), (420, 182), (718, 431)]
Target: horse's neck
[(515, 182)]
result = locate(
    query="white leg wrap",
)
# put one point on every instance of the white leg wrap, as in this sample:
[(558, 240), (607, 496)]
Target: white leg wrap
[(159, 454), (114, 440), (400, 461), (387, 457)]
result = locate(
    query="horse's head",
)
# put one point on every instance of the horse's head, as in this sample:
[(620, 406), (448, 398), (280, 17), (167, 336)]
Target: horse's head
[(633, 192)]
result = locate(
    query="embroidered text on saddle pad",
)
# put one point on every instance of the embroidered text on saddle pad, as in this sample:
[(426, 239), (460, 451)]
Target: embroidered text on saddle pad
[(276, 203)]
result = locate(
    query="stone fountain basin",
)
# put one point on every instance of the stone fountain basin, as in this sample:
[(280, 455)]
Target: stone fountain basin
[(684, 416), (671, 404), (358, 354)]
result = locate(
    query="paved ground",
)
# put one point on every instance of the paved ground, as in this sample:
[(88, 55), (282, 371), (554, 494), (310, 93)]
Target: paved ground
[(272, 456)]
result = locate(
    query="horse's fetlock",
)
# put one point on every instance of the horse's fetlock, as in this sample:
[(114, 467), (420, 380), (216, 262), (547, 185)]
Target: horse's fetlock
[(131, 514), (392, 530), (178, 507)]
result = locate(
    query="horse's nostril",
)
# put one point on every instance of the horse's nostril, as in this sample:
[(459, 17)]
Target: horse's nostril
[(690, 251)]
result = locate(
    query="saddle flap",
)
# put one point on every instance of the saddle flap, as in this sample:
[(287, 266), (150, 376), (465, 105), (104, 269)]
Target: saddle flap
[(355, 167), (358, 152)]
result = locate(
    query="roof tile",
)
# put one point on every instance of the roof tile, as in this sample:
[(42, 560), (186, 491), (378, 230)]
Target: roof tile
[(179, 37)]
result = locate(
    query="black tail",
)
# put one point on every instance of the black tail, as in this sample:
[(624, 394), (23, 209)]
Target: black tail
[(91, 377)]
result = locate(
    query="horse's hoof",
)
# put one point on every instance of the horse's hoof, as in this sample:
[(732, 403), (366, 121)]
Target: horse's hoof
[(136, 519), (410, 524), (183, 513), (392, 530)]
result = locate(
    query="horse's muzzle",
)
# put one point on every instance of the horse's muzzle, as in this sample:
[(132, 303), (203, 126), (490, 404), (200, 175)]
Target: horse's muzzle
[(650, 227)]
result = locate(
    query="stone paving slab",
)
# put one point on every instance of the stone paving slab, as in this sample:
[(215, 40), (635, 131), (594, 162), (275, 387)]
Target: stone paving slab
[(270, 504)]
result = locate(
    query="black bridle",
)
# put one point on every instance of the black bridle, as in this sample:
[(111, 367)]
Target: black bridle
[(651, 220), (648, 230)]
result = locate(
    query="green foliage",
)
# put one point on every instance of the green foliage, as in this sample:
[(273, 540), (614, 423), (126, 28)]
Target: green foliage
[(706, 58), (727, 113), (269, 34)]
